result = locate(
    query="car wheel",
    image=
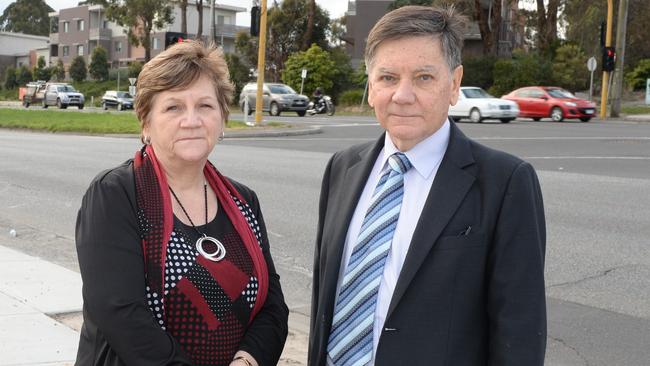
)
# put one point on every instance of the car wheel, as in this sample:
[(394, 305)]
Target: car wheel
[(25, 104), (506, 120), (44, 104), (475, 115), (119, 106), (81, 106), (275, 109), (556, 114), (59, 104), (301, 113), (585, 119), (537, 119), (104, 106)]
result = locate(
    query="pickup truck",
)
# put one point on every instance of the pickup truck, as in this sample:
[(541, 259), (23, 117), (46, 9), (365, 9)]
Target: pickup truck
[(62, 95)]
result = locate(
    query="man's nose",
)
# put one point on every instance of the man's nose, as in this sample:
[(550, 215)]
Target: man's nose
[(404, 94)]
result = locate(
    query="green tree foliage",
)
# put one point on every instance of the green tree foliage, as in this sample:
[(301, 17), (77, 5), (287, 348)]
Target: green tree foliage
[(40, 72), (139, 18), (59, 71), (321, 70), (523, 70), (343, 79), (351, 97), (10, 78), (246, 47), (26, 16), (399, 3), (583, 19), (636, 78), (359, 78), (477, 71), (78, 69), (569, 68), (23, 75), (287, 26), (98, 67), (238, 73), (134, 69)]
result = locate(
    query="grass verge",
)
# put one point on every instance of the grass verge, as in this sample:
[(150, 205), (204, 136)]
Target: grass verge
[(86, 122), (635, 109)]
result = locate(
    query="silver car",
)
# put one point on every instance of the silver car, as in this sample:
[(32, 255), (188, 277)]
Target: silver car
[(277, 98), (62, 95)]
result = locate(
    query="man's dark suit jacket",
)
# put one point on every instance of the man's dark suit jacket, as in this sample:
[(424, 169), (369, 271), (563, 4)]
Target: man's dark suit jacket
[(464, 296)]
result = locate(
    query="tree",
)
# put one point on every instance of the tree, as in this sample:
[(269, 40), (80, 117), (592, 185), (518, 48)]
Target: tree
[(23, 75), (26, 16), (636, 79), (59, 70), (182, 4), (306, 38), (547, 26), (343, 79), (399, 3), (569, 69), (287, 27), (523, 69), (246, 46), (139, 18), (78, 69), (98, 67), (239, 74), (321, 70), (40, 72), (199, 8), (10, 78), (134, 69)]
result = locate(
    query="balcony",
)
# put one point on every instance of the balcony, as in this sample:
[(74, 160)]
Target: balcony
[(100, 34), (54, 38), (228, 30)]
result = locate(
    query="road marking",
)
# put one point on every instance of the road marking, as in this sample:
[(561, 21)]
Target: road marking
[(627, 138), (589, 157)]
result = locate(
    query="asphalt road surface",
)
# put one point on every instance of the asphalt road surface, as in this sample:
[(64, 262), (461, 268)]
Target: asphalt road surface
[(595, 178)]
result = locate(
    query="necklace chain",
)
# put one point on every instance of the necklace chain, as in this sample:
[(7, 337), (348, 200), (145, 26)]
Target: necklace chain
[(205, 198)]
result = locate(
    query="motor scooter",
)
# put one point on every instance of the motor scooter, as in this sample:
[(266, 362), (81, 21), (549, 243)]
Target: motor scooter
[(324, 105)]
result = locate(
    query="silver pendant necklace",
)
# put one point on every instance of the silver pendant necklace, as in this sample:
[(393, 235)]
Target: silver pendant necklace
[(220, 252)]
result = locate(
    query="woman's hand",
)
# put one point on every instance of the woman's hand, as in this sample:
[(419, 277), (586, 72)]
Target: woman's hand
[(243, 358)]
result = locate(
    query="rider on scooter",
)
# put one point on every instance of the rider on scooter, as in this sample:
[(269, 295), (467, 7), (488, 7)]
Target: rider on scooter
[(318, 95)]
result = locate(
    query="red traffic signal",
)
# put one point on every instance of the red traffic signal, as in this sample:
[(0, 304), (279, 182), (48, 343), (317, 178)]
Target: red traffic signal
[(172, 38), (609, 58)]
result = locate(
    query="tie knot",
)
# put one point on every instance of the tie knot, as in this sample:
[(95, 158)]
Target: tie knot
[(399, 162)]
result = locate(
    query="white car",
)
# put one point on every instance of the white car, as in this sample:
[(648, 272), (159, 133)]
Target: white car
[(477, 105)]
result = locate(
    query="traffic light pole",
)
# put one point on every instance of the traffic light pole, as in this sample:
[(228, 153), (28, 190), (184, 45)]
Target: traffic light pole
[(608, 43), (260, 64)]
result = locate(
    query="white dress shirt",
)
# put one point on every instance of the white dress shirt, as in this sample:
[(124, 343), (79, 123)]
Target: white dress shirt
[(425, 158)]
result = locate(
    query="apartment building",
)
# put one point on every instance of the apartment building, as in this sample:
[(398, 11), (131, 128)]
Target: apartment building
[(363, 14), (77, 31)]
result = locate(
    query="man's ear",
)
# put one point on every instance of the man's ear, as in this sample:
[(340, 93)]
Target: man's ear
[(370, 94), (456, 78)]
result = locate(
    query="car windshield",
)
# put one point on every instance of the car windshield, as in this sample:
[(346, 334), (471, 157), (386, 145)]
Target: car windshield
[(560, 93), (476, 93), (281, 89), (123, 95), (66, 88)]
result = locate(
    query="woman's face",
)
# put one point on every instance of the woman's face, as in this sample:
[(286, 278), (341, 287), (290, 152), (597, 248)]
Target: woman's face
[(184, 124)]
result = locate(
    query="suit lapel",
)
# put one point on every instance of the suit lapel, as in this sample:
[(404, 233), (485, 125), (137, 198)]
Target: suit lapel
[(447, 192), (354, 182)]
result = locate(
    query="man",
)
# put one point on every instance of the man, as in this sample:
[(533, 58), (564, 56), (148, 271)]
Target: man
[(430, 247)]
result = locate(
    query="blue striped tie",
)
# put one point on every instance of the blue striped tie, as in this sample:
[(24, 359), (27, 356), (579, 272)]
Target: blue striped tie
[(350, 341)]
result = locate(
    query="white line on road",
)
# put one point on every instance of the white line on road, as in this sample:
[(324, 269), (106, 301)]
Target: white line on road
[(626, 138), (589, 157)]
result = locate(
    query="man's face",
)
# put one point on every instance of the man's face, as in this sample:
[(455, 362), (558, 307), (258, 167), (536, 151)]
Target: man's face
[(411, 88)]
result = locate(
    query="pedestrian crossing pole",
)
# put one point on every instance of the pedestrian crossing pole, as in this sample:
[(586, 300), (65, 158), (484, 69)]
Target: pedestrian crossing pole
[(260, 64), (608, 43)]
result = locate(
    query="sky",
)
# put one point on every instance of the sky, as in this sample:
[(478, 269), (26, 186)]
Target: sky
[(336, 8)]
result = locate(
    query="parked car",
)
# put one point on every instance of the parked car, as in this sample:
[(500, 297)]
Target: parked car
[(477, 105), (118, 99), (62, 95), (539, 102), (34, 93), (277, 98)]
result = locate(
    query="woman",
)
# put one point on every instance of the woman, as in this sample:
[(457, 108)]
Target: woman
[(174, 257)]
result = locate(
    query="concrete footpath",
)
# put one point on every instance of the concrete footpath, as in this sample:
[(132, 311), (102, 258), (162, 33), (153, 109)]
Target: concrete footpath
[(40, 314)]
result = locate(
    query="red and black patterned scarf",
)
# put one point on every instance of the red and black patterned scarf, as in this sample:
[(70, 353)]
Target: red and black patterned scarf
[(156, 218)]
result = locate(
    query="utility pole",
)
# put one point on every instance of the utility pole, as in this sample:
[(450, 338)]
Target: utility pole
[(621, 30), (260, 64), (608, 43)]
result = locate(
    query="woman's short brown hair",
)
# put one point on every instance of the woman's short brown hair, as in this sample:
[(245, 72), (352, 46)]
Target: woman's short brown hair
[(176, 68)]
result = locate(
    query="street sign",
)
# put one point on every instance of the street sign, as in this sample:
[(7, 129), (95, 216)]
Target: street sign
[(647, 92), (302, 83), (132, 81), (592, 63), (304, 73), (132, 90)]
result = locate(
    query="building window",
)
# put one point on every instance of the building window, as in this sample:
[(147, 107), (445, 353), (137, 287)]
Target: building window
[(80, 50), (66, 27), (155, 44), (66, 51), (118, 46), (80, 24), (220, 19)]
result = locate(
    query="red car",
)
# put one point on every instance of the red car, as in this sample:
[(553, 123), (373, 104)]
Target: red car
[(539, 102)]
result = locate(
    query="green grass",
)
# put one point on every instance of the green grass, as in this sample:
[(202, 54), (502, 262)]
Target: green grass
[(635, 109), (88, 122)]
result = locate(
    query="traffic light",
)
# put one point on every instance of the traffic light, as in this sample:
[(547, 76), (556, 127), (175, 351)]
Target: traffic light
[(255, 21), (609, 58), (172, 38)]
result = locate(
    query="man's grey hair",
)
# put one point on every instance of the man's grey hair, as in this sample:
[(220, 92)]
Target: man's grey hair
[(445, 24)]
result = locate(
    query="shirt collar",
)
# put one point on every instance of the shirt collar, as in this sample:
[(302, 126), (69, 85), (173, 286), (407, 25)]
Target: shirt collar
[(426, 155)]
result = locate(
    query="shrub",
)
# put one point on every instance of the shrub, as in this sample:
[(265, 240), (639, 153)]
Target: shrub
[(41, 72), (569, 69), (98, 68), (351, 97), (134, 69), (478, 72), (523, 70), (23, 75), (10, 78), (636, 78), (78, 69)]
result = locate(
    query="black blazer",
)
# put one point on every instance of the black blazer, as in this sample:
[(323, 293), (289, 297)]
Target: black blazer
[(462, 298)]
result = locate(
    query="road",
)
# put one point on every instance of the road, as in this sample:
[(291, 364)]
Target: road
[(595, 178)]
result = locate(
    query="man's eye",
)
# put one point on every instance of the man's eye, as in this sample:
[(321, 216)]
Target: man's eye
[(425, 77), (386, 78)]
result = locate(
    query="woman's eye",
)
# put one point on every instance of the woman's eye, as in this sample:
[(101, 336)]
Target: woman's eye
[(171, 108), (207, 106)]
